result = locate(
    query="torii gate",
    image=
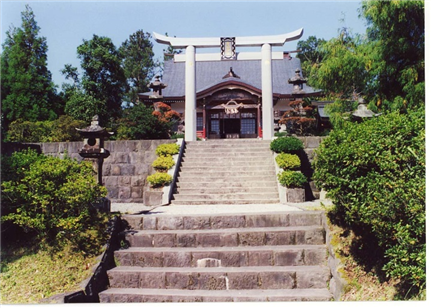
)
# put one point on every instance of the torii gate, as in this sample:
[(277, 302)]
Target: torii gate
[(227, 45)]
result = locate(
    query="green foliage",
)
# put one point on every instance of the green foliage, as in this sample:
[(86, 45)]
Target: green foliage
[(159, 179), (53, 198), (374, 172), (288, 161), (177, 136), (103, 77), (310, 54), (286, 145), (62, 129), (396, 30), (292, 179), (138, 63), (280, 134), (84, 107), (344, 68), (167, 149), (27, 91), (138, 122), (386, 67), (163, 163)]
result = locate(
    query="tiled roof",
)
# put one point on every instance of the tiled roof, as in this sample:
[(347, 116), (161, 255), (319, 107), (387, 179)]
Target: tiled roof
[(211, 73)]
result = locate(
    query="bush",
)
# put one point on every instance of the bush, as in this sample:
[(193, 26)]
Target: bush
[(167, 149), (286, 145), (177, 136), (53, 198), (159, 179), (375, 174), (163, 163), (280, 134), (292, 179), (288, 161), (62, 129)]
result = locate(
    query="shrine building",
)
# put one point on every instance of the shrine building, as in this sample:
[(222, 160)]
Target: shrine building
[(230, 94)]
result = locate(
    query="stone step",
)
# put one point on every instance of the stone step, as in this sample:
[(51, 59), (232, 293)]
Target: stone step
[(230, 141), (200, 163), (241, 256), (229, 150), (223, 167), (302, 235), (223, 197), (225, 221), (233, 201), (217, 179), (227, 155), (220, 278), (217, 174), (131, 295), (228, 190), (227, 185)]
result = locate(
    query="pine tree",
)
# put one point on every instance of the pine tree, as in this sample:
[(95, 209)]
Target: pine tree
[(27, 90)]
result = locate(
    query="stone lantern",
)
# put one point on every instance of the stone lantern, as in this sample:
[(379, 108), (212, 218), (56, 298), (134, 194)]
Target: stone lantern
[(363, 111), (297, 82), (93, 149), (157, 86)]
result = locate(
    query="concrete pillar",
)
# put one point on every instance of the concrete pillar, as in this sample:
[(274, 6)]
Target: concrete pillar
[(267, 104), (190, 106)]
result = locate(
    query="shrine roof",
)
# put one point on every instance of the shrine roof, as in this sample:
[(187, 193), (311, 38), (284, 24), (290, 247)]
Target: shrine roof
[(211, 73)]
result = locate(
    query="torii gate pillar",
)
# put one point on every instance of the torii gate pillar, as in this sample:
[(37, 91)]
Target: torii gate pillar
[(267, 100), (190, 104)]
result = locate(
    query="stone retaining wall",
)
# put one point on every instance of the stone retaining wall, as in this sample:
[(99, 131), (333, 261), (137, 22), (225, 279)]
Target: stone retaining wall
[(126, 169)]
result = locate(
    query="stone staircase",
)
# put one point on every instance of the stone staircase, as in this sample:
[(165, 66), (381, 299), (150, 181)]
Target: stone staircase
[(229, 171), (278, 256)]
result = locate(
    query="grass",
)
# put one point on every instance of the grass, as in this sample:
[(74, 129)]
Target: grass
[(30, 275)]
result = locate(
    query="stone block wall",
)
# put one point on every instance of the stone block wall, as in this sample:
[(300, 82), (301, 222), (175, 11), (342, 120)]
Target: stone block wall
[(124, 171)]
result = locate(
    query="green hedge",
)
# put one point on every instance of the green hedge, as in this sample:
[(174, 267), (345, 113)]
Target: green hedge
[(288, 161), (53, 198), (375, 174), (159, 179), (167, 149), (292, 179), (286, 145), (163, 163)]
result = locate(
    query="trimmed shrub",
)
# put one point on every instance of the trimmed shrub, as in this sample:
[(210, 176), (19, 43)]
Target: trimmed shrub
[(292, 179), (374, 172), (280, 134), (167, 149), (163, 163), (288, 161), (159, 179), (54, 198), (286, 145)]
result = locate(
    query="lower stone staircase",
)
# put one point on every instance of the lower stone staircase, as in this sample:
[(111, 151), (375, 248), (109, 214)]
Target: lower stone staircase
[(279, 256), (227, 171)]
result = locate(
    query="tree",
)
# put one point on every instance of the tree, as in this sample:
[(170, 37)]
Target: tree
[(343, 69), (103, 79), (138, 63), (27, 90), (396, 29), (310, 53), (143, 122), (386, 67)]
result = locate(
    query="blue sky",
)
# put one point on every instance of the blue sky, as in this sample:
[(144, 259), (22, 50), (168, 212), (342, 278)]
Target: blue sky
[(66, 23)]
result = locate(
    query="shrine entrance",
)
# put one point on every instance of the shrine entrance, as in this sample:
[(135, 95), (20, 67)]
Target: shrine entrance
[(243, 124)]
